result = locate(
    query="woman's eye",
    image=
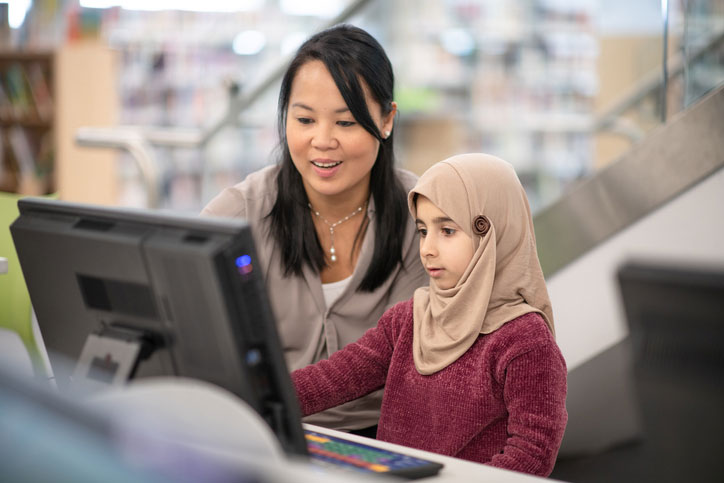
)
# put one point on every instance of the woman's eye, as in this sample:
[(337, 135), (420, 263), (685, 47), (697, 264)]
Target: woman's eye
[(304, 120), (346, 123), (422, 231), (448, 231)]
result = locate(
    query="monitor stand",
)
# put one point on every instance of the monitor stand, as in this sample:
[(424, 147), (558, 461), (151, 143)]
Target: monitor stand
[(110, 357)]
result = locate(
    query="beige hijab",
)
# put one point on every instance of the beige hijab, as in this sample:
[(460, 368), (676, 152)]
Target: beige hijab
[(503, 280)]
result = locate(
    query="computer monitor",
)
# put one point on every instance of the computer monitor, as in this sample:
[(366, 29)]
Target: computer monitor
[(675, 315), (126, 293)]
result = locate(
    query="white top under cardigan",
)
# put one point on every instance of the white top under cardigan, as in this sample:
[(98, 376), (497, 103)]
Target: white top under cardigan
[(333, 290)]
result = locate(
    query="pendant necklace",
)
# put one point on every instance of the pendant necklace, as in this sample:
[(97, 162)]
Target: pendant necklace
[(332, 253)]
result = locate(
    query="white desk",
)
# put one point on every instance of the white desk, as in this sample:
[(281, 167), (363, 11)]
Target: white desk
[(455, 470), (214, 421)]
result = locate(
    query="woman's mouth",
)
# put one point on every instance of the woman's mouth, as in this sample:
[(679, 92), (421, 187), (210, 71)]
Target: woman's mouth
[(326, 165), (326, 168)]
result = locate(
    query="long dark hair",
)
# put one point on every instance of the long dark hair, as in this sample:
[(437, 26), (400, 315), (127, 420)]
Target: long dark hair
[(350, 54)]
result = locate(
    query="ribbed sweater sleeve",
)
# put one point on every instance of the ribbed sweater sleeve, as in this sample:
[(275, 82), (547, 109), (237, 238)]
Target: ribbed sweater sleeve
[(534, 392), (356, 370)]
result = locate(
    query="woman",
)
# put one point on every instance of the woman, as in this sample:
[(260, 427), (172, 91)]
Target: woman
[(336, 244)]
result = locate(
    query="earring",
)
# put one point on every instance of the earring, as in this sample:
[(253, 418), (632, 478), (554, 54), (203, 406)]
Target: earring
[(387, 134)]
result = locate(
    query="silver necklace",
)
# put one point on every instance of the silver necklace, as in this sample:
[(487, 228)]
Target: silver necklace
[(332, 252)]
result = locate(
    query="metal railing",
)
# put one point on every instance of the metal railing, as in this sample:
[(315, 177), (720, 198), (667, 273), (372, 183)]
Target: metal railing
[(626, 190), (611, 120)]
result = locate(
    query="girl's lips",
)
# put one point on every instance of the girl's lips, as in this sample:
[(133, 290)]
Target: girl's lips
[(434, 272), (325, 172)]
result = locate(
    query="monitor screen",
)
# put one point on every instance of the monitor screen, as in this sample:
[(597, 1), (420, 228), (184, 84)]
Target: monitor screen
[(675, 315), (125, 293)]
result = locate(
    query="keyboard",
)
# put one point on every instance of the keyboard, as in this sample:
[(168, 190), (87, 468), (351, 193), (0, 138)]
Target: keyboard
[(341, 453)]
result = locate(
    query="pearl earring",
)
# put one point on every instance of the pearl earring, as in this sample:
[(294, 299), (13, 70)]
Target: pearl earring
[(387, 134)]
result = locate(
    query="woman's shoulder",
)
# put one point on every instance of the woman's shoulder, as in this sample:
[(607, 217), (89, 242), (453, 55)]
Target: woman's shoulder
[(253, 197), (407, 178)]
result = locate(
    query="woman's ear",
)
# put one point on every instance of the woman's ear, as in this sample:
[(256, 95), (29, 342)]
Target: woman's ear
[(389, 120)]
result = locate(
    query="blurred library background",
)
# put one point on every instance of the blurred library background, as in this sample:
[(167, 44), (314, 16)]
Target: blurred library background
[(165, 103)]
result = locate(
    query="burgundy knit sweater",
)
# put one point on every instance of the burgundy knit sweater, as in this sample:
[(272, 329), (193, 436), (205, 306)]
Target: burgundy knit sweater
[(502, 403)]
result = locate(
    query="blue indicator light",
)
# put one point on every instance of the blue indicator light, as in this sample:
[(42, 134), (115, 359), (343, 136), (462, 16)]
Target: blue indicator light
[(243, 261), (253, 357)]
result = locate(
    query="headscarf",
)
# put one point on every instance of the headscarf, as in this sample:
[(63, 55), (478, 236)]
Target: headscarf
[(483, 195)]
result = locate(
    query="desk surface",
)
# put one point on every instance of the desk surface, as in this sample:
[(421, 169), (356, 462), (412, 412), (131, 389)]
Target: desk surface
[(455, 470), (218, 424)]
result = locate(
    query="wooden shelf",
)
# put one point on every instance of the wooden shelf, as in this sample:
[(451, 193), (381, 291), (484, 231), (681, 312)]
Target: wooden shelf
[(27, 120), (7, 56)]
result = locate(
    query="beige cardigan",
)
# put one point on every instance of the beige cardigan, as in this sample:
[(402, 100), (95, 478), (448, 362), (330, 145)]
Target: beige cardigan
[(309, 330)]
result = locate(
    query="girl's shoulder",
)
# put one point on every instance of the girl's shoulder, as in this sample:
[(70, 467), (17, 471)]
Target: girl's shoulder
[(521, 334), (526, 338), (532, 324), (397, 320), (251, 198), (400, 310), (398, 315)]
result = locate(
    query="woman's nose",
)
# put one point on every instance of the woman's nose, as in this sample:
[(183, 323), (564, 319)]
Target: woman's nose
[(323, 138)]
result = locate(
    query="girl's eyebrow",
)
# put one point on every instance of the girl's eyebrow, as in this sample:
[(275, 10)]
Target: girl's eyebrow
[(437, 220), (304, 106)]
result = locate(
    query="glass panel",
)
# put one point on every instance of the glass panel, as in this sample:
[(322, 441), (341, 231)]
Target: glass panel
[(702, 48)]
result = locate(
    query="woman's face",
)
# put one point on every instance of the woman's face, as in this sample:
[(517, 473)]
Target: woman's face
[(330, 149)]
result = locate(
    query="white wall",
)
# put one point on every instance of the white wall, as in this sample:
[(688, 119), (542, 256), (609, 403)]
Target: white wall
[(586, 306)]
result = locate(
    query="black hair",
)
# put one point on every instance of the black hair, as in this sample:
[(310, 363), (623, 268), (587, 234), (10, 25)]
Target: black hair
[(351, 55)]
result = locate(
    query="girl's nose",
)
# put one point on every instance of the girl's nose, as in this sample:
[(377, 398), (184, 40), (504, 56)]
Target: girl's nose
[(428, 246)]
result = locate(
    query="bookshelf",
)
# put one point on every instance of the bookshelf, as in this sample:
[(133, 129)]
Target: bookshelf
[(513, 79), (518, 81), (27, 114), (522, 80)]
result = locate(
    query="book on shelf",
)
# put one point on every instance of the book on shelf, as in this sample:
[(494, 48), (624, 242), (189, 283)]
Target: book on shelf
[(18, 91), (26, 93), (22, 151), (30, 180), (6, 106), (40, 92)]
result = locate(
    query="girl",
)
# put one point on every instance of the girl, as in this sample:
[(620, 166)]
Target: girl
[(469, 365), (324, 214)]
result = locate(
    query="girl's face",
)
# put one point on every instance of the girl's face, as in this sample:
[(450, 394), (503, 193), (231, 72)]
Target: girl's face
[(333, 153), (445, 249)]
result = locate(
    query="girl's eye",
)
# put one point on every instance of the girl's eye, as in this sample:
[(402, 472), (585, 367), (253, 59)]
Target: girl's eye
[(304, 120), (346, 123), (448, 231), (422, 231)]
